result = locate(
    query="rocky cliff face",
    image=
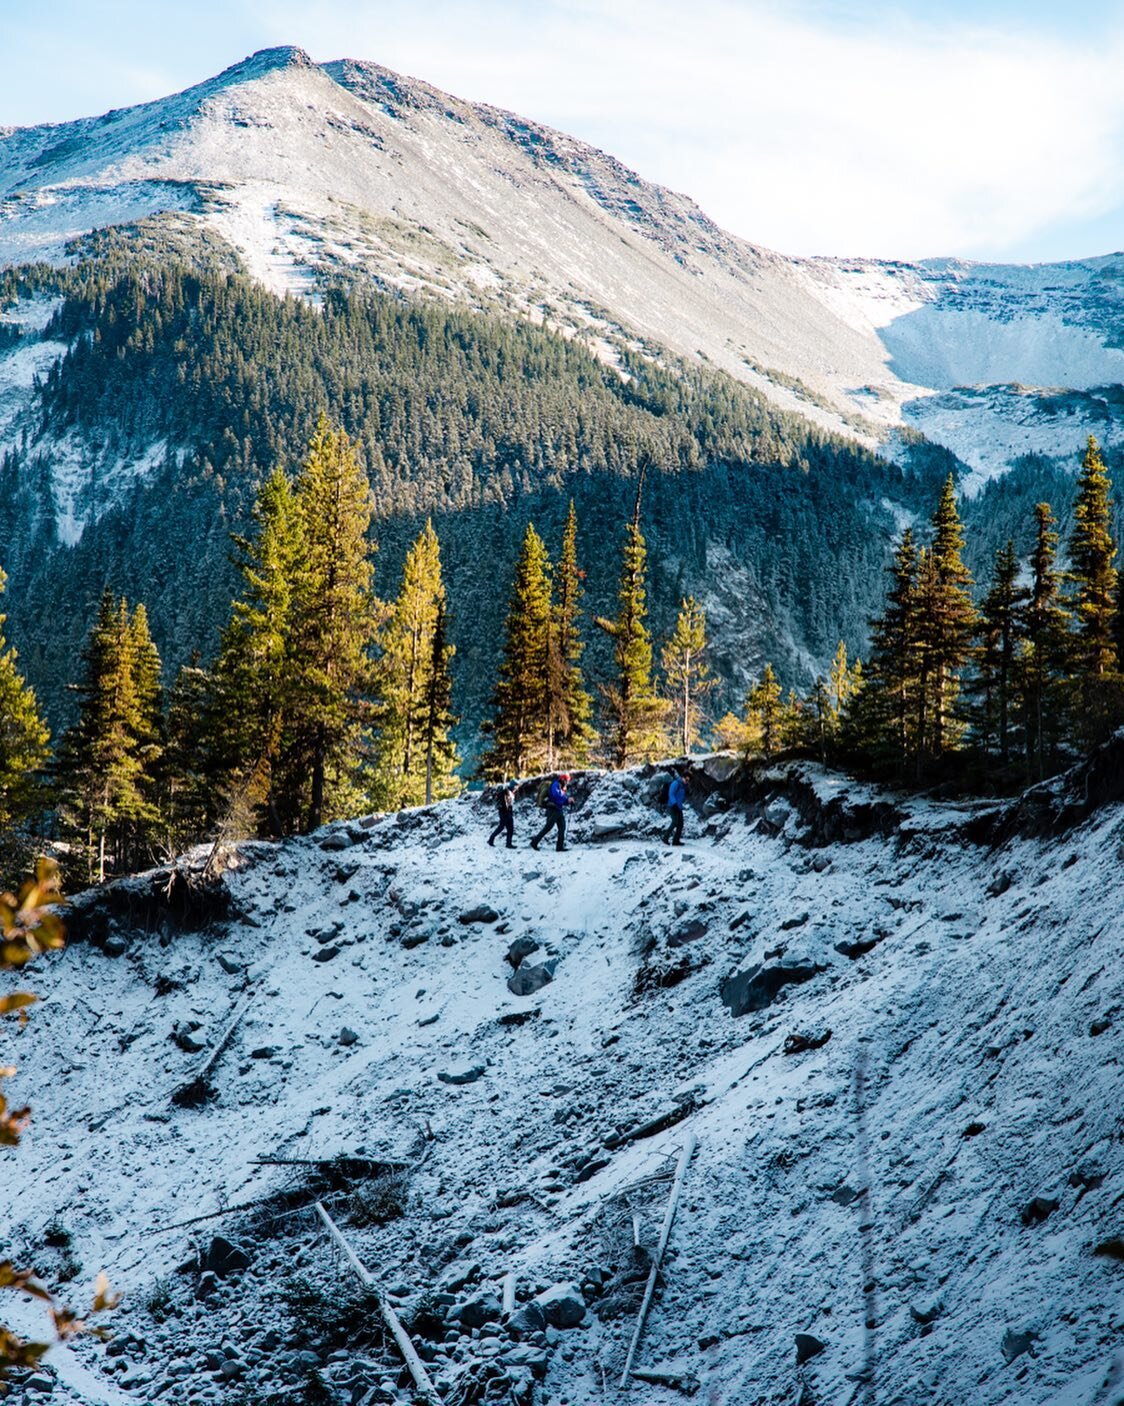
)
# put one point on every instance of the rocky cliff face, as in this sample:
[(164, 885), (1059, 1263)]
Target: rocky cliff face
[(890, 1025)]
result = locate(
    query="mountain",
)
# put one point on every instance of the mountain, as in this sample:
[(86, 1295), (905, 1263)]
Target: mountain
[(923, 1204), (313, 188)]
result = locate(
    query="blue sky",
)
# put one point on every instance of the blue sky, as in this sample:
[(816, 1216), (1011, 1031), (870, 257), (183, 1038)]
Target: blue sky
[(892, 127)]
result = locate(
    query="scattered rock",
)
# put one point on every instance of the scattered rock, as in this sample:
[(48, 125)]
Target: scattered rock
[(208, 1284), (1036, 1211), (410, 940), (974, 1130), (39, 1381), (115, 945), (1111, 1249), (347, 1036), (527, 1320), (757, 986), (1015, 1344), (797, 1043), (263, 1052), (562, 1305), (223, 1258), (480, 914), (462, 1076), (808, 1347), (689, 932), (527, 980), (231, 967), (326, 953), (845, 1195), (926, 1313), (859, 948), (522, 947), (1099, 1027), (184, 1036), (459, 1274), (484, 1308), (797, 921)]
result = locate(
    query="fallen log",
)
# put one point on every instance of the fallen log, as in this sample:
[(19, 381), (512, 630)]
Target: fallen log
[(659, 1124), (393, 1322), (665, 1234), (198, 1090)]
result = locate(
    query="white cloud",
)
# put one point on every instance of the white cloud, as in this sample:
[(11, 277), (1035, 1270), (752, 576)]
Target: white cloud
[(903, 140)]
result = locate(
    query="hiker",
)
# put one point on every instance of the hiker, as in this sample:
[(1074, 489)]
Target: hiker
[(505, 808), (555, 805), (676, 795)]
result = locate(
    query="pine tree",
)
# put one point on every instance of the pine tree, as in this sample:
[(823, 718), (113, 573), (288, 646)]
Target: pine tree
[(999, 630), (23, 744), (1091, 554), (107, 792), (413, 753), (252, 702), (1044, 626), (188, 791), (765, 714), (335, 620), (946, 626), (687, 674), (577, 734), (521, 737), (881, 719), (441, 759), (1096, 688), (635, 711)]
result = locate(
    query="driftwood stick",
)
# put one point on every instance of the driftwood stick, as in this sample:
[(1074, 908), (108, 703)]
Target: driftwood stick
[(393, 1322), (508, 1291), (665, 1234), (225, 1039)]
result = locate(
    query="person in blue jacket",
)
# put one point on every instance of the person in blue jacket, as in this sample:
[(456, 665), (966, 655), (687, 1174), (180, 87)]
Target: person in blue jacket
[(676, 795), (557, 803)]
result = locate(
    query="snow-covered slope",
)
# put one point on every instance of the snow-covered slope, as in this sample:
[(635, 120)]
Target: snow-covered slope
[(305, 168), (922, 1195)]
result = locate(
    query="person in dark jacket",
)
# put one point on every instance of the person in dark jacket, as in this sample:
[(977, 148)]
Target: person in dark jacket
[(505, 808), (557, 803), (676, 795)]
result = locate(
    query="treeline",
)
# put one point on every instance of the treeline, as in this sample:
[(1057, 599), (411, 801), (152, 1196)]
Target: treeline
[(998, 693), (324, 700), (476, 422)]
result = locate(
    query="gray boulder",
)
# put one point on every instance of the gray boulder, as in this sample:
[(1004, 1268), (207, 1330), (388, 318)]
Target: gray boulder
[(527, 1320), (562, 1305), (757, 987), (527, 980), (483, 1308), (223, 1258), (522, 947), (808, 1347), (462, 1076), (482, 913)]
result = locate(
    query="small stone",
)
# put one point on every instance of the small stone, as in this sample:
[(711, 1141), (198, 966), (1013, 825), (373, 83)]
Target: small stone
[(185, 1037), (347, 1036), (208, 1284), (482, 1309), (757, 987), (688, 932), (1015, 1344), (808, 1347), (520, 948), (527, 980), (482, 913), (224, 1258), (527, 1320), (462, 1076), (115, 945), (797, 921), (263, 1052), (231, 967), (326, 954), (1036, 1211), (563, 1305), (459, 1274)]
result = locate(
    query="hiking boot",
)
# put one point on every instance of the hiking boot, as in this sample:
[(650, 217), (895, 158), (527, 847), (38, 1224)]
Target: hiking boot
[(534, 844), (491, 841)]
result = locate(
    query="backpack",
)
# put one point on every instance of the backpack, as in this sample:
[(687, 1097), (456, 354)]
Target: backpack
[(542, 796), (664, 793)]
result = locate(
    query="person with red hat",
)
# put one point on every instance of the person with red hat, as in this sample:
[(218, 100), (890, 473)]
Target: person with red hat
[(557, 803)]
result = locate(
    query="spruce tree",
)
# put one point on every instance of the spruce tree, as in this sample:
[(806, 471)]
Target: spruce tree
[(23, 745), (1042, 660), (765, 714), (635, 711), (999, 630), (188, 790), (946, 626), (335, 620), (253, 700), (1092, 551), (881, 719), (687, 674), (107, 791), (577, 734), (521, 731), (415, 759)]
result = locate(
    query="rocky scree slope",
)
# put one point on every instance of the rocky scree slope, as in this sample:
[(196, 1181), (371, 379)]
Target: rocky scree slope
[(921, 1201), (308, 168)]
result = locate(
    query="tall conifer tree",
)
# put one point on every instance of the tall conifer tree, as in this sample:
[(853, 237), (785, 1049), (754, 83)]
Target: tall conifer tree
[(23, 741), (415, 758), (881, 720), (1042, 660), (576, 711), (999, 631), (1092, 551), (521, 730), (636, 712), (946, 626), (687, 674)]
